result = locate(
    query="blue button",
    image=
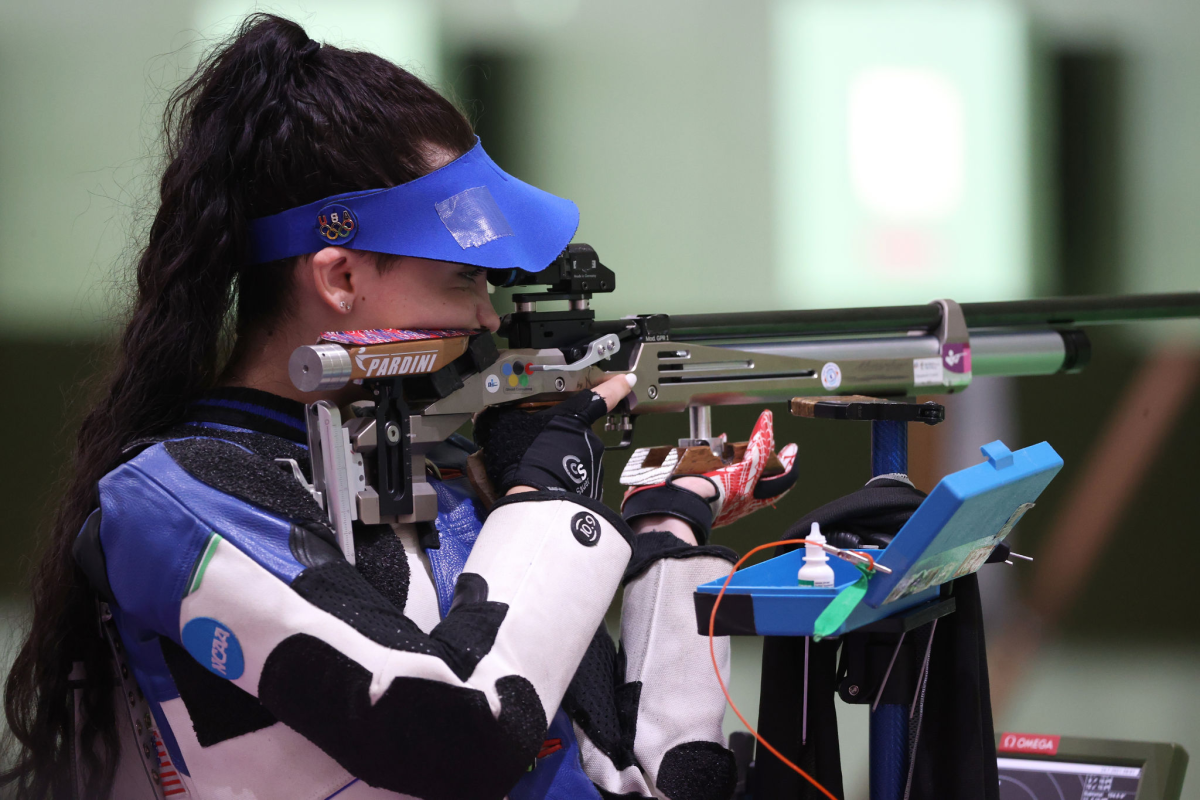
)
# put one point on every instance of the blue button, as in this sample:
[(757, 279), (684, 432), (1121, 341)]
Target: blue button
[(506, 368), (999, 455)]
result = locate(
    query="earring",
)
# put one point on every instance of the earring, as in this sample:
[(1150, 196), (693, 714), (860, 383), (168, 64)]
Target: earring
[(345, 306)]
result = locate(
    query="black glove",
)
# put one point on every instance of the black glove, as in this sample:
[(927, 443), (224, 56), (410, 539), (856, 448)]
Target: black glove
[(552, 449)]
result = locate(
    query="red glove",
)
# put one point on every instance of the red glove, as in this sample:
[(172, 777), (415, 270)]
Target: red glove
[(740, 487)]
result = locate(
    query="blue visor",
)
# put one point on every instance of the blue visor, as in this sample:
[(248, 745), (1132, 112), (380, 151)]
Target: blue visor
[(469, 211)]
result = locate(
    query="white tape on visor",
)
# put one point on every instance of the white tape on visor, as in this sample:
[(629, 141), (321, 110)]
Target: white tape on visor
[(473, 218)]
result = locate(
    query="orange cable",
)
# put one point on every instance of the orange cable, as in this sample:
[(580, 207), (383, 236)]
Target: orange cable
[(712, 622), (870, 558)]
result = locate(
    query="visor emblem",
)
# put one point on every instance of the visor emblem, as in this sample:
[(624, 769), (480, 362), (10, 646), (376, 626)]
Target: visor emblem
[(336, 224)]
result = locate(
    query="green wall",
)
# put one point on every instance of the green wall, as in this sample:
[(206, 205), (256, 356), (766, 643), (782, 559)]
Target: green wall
[(655, 117)]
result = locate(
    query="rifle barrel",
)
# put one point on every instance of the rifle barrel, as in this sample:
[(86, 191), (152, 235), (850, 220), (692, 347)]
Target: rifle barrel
[(1049, 312)]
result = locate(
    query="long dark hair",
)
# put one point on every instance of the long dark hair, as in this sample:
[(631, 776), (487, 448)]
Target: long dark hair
[(269, 121)]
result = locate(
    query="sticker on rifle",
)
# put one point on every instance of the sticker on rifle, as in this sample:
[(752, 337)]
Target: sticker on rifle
[(377, 366), (957, 357), (517, 374), (928, 371), (492, 383), (831, 376)]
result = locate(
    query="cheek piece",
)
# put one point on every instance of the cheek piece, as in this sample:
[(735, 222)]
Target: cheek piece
[(469, 212)]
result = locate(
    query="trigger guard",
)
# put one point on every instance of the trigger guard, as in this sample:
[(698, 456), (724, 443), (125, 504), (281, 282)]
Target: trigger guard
[(622, 408)]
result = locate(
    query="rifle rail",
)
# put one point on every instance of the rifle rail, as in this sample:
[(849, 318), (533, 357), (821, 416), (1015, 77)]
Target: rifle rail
[(1048, 312)]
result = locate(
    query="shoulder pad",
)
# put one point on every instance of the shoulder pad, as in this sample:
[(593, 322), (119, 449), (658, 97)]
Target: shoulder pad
[(234, 470), (157, 519), (263, 444)]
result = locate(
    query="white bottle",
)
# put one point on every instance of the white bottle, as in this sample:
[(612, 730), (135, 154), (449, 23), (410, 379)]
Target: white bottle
[(816, 571)]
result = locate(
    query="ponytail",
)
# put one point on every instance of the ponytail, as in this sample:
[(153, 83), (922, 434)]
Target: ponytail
[(269, 121)]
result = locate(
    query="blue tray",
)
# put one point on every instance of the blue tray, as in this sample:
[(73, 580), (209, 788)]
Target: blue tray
[(950, 535)]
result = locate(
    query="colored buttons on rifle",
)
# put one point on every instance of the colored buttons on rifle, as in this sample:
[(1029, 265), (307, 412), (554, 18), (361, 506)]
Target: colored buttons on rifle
[(336, 224), (518, 373)]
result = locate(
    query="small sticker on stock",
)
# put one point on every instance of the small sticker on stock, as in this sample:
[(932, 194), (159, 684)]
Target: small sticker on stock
[(831, 376), (492, 383), (957, 357), (517, 374), (928, 371)]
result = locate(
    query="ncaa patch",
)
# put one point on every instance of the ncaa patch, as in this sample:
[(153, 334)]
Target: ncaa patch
[(586, 528), (215, 647), (336, 224)]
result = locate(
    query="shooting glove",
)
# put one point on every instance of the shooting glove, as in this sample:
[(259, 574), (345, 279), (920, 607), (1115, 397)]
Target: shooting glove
[(740, 487), (552, 449)]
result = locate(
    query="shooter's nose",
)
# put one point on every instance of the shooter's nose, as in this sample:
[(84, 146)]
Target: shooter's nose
[(486, 315)]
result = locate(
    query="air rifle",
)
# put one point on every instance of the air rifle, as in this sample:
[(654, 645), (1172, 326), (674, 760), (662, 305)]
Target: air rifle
[(842, 362)]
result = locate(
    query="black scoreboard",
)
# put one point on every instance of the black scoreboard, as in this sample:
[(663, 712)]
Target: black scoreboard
[(1040, 767)]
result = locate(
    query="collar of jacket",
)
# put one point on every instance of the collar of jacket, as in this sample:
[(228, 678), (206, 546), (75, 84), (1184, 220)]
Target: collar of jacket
[(250, 410)]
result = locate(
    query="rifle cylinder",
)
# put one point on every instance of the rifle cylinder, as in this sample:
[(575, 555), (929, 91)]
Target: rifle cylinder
[(319, 367), (992, 352)]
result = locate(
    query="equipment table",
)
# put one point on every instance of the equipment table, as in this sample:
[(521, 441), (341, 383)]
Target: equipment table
[(950, 535)]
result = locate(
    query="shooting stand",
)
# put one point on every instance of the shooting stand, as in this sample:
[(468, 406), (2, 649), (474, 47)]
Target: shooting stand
[(883, 640)]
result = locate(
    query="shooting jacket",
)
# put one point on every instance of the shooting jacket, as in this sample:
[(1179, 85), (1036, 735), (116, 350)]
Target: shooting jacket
[(467, 659)]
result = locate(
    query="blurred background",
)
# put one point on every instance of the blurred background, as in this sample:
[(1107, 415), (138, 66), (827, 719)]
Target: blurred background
[(755, 155)]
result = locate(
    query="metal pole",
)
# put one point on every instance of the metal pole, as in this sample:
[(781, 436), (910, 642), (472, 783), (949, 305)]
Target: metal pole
[(1049, 312), (889, 721), (700, 421)]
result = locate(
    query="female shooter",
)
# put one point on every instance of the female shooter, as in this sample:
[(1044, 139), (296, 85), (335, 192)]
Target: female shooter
[(437, 667)]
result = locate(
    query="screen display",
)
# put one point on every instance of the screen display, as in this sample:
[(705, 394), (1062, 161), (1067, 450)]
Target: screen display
[(1033, 779)]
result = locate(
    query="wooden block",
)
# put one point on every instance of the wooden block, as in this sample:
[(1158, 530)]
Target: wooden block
[(806, 406), (698, 460)]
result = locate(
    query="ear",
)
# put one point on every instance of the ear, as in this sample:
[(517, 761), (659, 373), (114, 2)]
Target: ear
[(339, 275)]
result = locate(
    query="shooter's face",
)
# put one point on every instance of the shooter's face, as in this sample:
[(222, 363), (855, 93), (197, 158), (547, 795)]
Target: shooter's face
[(419, 293)]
